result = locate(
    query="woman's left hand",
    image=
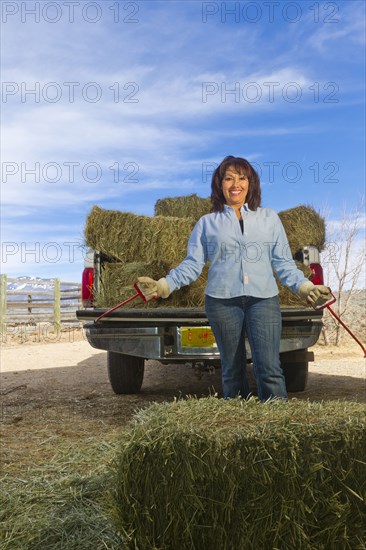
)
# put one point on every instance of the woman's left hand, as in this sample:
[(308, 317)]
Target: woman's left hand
[(315, 294)]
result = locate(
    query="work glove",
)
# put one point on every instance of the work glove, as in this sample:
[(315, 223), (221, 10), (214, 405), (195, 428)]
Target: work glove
[(154, 289), (316, 295)]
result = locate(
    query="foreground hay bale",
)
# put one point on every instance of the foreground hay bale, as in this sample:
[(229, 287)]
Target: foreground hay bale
[(232, 475)]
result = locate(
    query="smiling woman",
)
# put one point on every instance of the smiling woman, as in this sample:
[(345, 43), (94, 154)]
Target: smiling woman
[(235, 182), (235, 189), (241, 295)]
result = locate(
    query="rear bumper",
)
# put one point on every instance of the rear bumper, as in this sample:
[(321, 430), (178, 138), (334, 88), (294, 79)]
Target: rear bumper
[(159, 336)]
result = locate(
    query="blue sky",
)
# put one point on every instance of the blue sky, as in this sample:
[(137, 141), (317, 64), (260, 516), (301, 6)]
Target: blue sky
[(136, 101)]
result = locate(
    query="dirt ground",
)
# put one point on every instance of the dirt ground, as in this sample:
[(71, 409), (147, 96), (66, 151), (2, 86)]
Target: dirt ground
[(66, 379)]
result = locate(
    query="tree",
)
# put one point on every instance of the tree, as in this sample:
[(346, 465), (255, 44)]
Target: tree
[(343, 262)]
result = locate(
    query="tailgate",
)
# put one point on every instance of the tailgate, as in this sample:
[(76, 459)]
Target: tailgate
[(156, 317)]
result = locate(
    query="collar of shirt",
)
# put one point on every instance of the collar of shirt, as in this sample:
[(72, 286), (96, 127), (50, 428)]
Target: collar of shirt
[(243, 209)]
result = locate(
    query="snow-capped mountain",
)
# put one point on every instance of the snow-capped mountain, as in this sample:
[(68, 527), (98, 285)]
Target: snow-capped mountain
[(31, 284)]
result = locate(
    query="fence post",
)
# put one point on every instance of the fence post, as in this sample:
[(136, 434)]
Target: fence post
[(57, 306), (3, 279)]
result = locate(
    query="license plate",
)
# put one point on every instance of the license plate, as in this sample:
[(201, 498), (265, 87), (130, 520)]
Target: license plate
[(197, 337)]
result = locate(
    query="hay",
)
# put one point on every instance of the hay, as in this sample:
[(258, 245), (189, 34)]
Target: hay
[(128, 237), (304, 227), (117, 285), (288, 298), (230, 474), (117, 281), (190, 206), (151, 246), (56, 498)]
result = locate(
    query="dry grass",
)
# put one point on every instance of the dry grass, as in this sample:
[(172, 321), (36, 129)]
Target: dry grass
[(54, 488)]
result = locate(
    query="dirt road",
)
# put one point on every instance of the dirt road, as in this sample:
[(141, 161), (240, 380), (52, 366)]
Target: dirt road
[(60, 380)]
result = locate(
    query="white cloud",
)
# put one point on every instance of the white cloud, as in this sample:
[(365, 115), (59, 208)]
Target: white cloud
[(170, 132)]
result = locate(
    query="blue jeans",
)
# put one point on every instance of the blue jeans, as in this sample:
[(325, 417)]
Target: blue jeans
[(260, 320)]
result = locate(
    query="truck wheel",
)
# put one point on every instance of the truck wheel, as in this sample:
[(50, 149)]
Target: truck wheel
[(125, 372), (296, 376)]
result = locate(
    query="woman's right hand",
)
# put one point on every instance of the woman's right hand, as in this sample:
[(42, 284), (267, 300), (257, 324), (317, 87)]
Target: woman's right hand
[(154, 289)]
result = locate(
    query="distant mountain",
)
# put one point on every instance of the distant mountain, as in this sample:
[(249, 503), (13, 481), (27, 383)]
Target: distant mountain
[(31, 284)]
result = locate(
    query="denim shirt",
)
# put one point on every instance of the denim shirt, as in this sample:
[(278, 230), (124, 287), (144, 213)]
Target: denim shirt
[(240, 264)]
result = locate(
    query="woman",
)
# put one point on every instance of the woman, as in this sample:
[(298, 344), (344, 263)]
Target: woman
[(244, 244)]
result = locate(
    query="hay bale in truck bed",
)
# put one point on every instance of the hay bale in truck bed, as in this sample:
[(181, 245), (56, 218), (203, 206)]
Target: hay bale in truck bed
[(131, 238), (117, 285), (152, 245), (288, 298), (117, 281), (190, 206), (230, 474), (303, 227)]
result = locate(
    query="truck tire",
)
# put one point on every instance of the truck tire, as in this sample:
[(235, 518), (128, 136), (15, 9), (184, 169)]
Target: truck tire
[(296, 376), (125, 372)]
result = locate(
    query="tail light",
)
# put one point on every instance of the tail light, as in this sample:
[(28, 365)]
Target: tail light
[(87, 287), (316, 276)]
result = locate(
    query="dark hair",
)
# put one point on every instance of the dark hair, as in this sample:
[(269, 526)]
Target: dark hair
[(243, 167)]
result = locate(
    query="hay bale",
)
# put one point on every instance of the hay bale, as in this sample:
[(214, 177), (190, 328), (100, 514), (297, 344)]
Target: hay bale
[(232, 474), (151, 246), (117, 280), (288, 298), (189, 206), (131, 238), (117, 285), (303, 227)]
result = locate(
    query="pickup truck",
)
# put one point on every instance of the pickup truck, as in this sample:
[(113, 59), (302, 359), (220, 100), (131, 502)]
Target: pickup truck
[(183, 336)]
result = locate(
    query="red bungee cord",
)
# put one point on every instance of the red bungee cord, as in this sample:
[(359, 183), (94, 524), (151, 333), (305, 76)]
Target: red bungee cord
[(327, 305), (347, 329)]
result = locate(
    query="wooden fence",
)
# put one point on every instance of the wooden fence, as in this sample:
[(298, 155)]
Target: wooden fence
[(31, 307)]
